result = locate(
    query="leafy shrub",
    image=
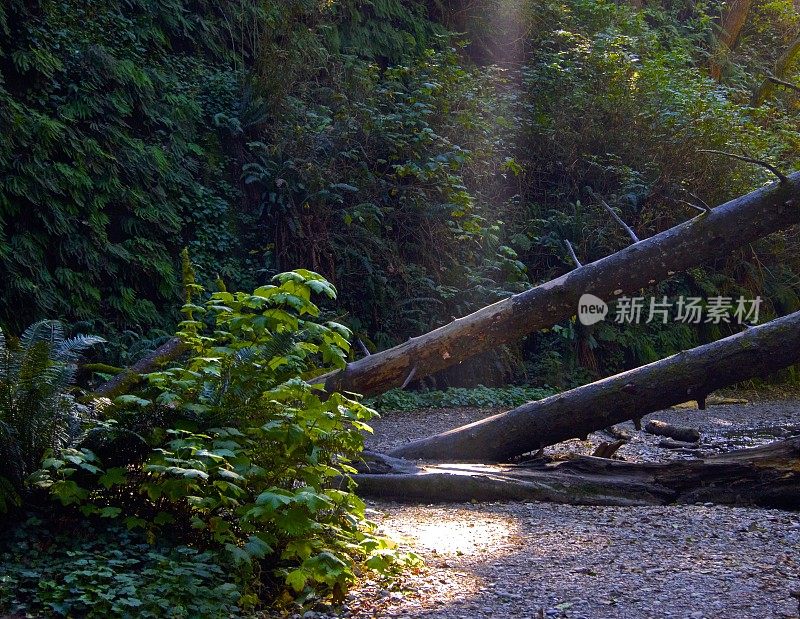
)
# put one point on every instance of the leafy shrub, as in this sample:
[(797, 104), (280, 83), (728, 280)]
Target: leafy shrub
[(117, 573), (246, 455), (479, 397), (37, 412)]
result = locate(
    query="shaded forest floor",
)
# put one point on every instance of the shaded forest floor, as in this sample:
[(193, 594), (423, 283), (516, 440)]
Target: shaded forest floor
[(540, 560)]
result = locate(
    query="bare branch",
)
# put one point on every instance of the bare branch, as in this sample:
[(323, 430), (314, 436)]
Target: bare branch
[(362, 347), (781, 176), (409, 378), (781, 82), (572, 253), (617, 218), (702, 202), (702, 209)]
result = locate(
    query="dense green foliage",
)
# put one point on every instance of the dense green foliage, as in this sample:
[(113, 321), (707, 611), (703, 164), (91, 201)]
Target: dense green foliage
[(107, 155), (125, 126), (423, 173), (616, 103), (479, 397), (114, 574), (231, 450), (371, 175), (359, 141)]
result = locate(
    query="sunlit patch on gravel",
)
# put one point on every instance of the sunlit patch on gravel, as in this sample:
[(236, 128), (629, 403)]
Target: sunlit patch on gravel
[(470, 535)]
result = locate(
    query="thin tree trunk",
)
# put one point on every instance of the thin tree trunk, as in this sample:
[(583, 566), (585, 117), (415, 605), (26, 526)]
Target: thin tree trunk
[(782, 66), (689, 375), (731, 25), (642, 264), (767, 476)]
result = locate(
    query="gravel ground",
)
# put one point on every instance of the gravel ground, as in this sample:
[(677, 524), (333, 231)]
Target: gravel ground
[(536, 560)]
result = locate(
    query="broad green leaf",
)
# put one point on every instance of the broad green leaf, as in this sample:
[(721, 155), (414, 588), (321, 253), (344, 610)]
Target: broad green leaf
[(296, 579), (274, 499)]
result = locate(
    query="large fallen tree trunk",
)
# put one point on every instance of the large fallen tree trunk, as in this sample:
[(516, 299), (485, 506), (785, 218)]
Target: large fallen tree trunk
[(644, 263), (767, 476), (689, 375)]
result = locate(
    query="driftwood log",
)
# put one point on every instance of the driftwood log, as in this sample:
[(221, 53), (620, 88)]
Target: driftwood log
[(692, 374), (704, 238), (679, 433), (766, 476)]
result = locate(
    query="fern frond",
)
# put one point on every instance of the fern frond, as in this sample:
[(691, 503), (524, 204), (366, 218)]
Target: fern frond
[(37, 413), (71, 348), (280, 345), (49, 331), (9, 497)]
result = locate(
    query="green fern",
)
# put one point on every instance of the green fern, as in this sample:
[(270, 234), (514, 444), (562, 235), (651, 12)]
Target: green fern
[(37, 412)]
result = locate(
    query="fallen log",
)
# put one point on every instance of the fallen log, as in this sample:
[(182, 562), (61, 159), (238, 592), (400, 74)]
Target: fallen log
[(704, 238), (123, 381), (692, 374), (679, 433), (669, 443), (766, 476)]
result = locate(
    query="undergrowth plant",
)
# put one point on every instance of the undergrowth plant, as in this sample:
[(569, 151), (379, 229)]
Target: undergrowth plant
[(246, 455), (114, 573), (37, 411), (456, 397)]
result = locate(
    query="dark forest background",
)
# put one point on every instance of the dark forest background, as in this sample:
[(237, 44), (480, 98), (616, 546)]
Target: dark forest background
[(426, 158)]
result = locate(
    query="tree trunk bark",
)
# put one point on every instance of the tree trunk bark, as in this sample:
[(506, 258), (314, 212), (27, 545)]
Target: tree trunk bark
[(767, 476), (731, 25), (123, 381), (689, 375), (642, 264), (781, 68)]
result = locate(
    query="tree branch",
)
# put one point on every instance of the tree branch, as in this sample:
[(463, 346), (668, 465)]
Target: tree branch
[(781, 82), (572, 253), (126, 379), (409, 378), (702, 209), (362, 347), (617, 218), (781, 176)]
